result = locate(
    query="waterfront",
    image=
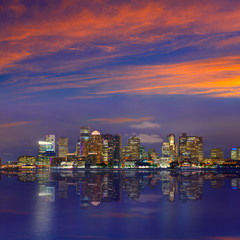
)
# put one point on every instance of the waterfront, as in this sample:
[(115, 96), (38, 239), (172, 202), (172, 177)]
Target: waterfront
[(120, 205)]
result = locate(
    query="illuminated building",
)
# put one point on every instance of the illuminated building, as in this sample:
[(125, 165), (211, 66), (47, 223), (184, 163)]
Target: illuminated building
[(143, 155), (114, 148), (110, 147), (45, 149), (95, 148), (133, 148), (84, 141), (51, 138), (105, 151), (125, 153), (117, 154), (166, 149), (191, 147), (78, 148), (26, 160), (217, 153), (169, 148), (71, 157), (62, 147), (173, 146), (235, 153)]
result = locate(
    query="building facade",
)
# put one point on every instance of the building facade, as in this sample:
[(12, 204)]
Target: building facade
[(235, 153), (191, 147), (217, 153), (84, 141), (62, 147)]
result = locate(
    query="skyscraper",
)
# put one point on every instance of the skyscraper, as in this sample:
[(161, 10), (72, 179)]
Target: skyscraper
[(114, 148), (84, 141), (95, 148), (169, 148), (217, 153), (191, 147), (110, 143), (45, 148), (78, 148), (51, 138), (235, 153), (173, 146), (143, 155), (117, 155), (105, 151), (63, 147), (133, 147)]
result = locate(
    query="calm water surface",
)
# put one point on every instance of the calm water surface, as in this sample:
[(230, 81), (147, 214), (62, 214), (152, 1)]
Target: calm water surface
[(120, 205)]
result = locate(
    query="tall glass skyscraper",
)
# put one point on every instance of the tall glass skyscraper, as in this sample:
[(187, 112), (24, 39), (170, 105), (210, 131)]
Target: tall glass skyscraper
[(63, 147), (191, 147), (84, 141)]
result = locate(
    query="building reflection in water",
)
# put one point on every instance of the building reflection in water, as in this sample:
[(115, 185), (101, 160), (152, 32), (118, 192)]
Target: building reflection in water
[(96, 187)]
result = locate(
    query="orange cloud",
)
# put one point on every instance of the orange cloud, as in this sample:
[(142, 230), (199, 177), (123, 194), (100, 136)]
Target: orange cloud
[(14, 124), (218, 77), (120, 120), (78, 25)]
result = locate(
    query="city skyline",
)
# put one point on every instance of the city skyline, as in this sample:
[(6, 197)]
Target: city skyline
[(145, 68), (172, 148)]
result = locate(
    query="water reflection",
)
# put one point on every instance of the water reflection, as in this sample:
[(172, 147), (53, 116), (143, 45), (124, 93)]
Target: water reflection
[(96, 187)]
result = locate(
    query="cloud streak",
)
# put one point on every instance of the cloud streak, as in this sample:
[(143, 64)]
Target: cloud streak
[(15, 124), (146, 125), (120, 120), (149, 138), (113, 28), (216, 77)]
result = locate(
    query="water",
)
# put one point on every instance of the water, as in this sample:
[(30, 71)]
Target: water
[(120, 205)]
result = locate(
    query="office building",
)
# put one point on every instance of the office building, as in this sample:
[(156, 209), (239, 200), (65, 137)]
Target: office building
[(114, 148), (143, 155), (84, 141), (45, 148), (117, 153), (235, 153), (110, 146), (133, 148), (63, 147), (169, 148), (217, 153), (173, 146), (191, 147), (95, 150), (152, 154), (51, 138), (105, 151)]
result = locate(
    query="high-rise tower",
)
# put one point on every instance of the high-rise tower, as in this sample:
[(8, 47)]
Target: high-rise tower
[(84, 141), (95, 147), (191, 147), (51, 138), (63, 147)]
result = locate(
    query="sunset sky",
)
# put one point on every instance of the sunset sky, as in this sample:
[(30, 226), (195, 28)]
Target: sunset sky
[(145, 68)]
